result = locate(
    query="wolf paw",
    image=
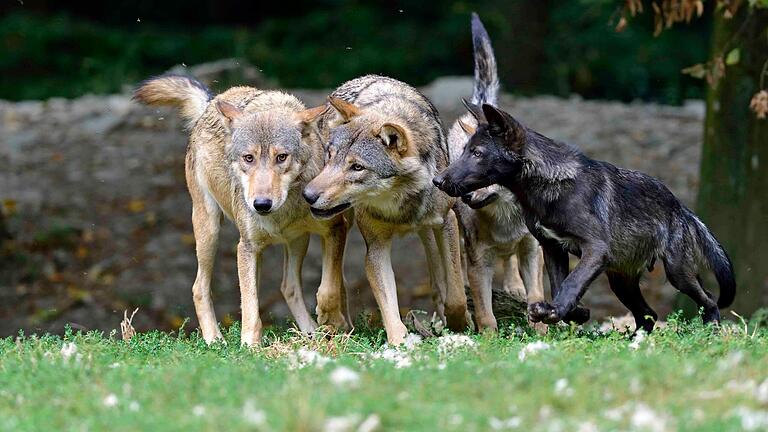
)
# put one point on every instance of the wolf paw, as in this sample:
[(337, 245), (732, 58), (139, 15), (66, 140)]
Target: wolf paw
[(543, 312), (578, 315)]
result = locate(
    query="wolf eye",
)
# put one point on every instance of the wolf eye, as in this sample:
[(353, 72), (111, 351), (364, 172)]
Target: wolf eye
[(357, 167), (248, 158), (281, 157), (476, 153)]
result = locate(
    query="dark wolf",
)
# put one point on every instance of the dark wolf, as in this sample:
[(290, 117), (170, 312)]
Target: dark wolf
[(618, 221), (492, 222)]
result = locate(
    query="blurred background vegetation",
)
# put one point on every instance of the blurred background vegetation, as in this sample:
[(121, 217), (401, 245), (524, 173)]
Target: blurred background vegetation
[(55, 48)]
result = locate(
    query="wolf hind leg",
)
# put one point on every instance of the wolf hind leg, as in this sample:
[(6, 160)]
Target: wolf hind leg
[(627, 289), (435, 269), (682, 275), (291, 287)]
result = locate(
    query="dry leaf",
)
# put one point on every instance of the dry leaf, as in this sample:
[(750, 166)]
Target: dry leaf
[(759, 104), (126, 328)]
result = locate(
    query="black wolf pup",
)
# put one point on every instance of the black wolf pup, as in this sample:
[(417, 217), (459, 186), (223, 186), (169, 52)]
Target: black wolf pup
[(616, 220)]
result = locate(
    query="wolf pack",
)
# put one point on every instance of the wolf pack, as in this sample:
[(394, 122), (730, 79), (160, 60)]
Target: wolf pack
[(376, 155)]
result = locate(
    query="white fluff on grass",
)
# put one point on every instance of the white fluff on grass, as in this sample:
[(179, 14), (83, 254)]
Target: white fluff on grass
[(304, 357), (198, 410), (110, 401), (399, 358), (752, 419), (644, 418), (447, 344), (637, 340), (252, 415), (411, 340), (68, 350), (761, 392), (532, 348), (341, 424), (502, 424), (343, 376), (562, 388)]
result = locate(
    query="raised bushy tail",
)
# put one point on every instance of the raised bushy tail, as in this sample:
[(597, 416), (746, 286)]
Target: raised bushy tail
[(486, 88), (189, 95), (718, 261)]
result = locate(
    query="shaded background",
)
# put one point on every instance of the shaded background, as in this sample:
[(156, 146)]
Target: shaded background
[(95, 214)]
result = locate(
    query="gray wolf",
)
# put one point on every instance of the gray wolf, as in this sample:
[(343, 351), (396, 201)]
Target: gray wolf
[(491, 219), (250, 154), (384, 144), (616, 220)]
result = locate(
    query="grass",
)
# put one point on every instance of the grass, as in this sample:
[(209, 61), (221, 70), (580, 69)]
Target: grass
[(683, 377)]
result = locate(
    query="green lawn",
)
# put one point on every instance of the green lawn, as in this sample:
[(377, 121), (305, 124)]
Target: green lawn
[(682, 377)]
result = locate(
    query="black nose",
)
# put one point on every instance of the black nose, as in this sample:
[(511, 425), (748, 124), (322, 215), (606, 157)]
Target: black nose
[(311, 196), (438, 181), (262, 204)]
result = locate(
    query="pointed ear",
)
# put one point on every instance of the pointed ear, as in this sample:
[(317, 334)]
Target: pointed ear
[(504, 125), (310, 115), (228, 112), (475, 110), (393, 136), (345, 109), (467, 128)]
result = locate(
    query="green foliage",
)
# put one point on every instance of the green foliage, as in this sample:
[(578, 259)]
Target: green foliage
[(563, 48), (684, 377)]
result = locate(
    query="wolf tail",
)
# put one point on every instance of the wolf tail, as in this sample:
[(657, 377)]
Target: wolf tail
[(186, 93), (718, 261), (486, 88)]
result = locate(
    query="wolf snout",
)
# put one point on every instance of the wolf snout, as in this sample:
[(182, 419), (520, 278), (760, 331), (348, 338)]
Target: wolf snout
[(262, 205), (439, 180), (311, 196)]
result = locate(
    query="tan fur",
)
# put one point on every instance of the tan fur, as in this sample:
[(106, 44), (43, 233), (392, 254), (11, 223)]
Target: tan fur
[(386, 206), (218, 185)]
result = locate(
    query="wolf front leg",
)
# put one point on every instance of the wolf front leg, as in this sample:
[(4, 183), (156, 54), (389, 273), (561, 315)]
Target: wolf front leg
[(448, 243), (248, 271), (592, 263), (378, 268), (331, 296), (295, 251), (206, 221)]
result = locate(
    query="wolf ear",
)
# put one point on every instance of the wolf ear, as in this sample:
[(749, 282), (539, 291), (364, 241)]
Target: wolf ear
[(475, 110), (467, 128), (503, 125), (228, 112), (393, 136), (307, 119), (345, 109)]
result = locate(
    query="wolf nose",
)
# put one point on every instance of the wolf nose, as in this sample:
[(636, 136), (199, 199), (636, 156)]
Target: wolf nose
[(262, 205), (438, 181), (311, 196)]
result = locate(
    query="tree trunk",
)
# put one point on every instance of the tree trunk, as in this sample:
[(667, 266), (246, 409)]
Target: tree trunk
[(733, 194)]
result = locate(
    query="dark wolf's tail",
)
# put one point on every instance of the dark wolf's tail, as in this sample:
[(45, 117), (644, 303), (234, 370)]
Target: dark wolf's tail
[(187, 94), (486, 89), (718, 261)]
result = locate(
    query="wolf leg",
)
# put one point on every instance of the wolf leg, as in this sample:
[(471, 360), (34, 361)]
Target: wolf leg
[(291, 287), (435, 268), (556, 260), (592, 263), (529, 258), (206, 221), (248, 272), (378, 268), (331, 296), (513, 283), (627, 289), (480, 275), (456, 298), (682, 277)]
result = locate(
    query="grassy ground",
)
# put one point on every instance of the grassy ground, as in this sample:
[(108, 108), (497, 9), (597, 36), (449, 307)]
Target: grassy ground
[(683, 377)]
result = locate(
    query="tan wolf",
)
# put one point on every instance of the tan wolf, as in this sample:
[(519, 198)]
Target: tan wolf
[(384, 143), (491, 219), (250, 154)]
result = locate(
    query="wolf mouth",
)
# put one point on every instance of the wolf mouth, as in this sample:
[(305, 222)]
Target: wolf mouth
[(327, 213), (479, 204)]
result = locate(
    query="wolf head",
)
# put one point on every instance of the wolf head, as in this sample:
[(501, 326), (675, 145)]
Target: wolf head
[(368, 155), (267, 151), (492, 155)]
